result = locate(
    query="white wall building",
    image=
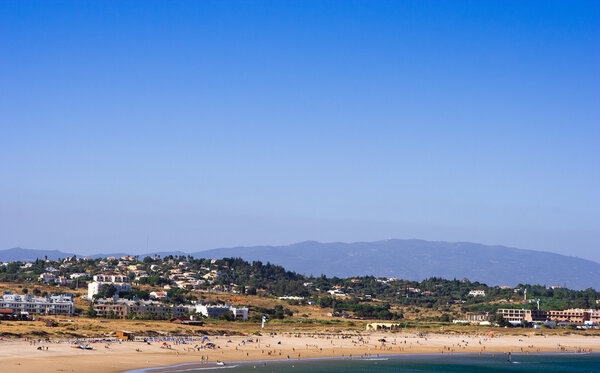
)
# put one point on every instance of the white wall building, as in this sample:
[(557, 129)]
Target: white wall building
[(47, 277), (122, 307), (94, 287), (111, 278), (337, 293), (78, 275), (240, 313), (213, 311), (28, 304)]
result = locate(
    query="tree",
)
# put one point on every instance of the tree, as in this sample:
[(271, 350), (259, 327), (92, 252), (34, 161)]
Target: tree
[(499, 320), (176, 295), (106, 291), (91, 312), (444, 317), (227, 315)]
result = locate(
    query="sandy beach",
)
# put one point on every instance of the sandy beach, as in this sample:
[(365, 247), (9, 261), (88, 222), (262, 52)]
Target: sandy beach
[(19, 355)]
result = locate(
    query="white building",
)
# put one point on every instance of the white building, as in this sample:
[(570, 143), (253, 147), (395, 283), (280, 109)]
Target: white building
[(477, 293), (28, 304), (94, 287), (47, 277), (213, 311), (62, 280), (240, 313), (111, 278), (118, 281), (78, 275), (159, 295), (122, 307)]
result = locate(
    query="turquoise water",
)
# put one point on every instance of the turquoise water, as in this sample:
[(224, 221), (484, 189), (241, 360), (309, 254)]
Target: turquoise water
[(423, 363)]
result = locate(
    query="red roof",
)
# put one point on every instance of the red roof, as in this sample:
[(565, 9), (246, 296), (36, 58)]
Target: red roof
[(6, 310)]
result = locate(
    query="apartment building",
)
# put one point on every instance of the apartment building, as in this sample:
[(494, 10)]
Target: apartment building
[(111, 278), (214, 311), (240, 313), (517, 315), (478, 317), (123, 307), (595, 317), (94, 287), (576, 316), (116, 310), (28, 304)]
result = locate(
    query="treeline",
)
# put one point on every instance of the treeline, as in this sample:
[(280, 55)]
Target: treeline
[(360, 308), (251, 277)]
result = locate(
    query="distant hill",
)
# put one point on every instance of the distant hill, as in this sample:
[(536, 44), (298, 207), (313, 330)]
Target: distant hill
[(419, 259), (20, 254), (405, 259), (118, 255)]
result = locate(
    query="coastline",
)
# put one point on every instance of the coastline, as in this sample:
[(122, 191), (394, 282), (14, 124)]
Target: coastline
[(22, 356), (381, 357)]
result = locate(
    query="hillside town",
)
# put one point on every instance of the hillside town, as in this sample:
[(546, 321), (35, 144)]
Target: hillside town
[(155, 288)]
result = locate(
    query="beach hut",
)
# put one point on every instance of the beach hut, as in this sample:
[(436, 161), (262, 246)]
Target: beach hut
[(7, 314), (125, 336)]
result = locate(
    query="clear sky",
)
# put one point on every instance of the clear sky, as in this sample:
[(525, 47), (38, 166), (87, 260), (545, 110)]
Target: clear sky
[(190, 125)]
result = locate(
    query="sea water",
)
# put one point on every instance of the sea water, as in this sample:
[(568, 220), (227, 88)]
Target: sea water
[(545, 363)]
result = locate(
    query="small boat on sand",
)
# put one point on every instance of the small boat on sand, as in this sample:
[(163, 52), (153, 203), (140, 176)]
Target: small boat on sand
[(83, 347)]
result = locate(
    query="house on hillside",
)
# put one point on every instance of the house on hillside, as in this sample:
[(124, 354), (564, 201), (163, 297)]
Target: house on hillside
[(159, 295)]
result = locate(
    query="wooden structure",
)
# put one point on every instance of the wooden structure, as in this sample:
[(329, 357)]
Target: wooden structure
[(7, 314), (125, 336)]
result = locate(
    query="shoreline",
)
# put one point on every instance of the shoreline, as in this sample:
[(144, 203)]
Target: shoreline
[(136, 357), (236, 363)]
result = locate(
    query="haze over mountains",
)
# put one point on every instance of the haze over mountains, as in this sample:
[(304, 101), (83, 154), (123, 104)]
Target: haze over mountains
[(406, 259)]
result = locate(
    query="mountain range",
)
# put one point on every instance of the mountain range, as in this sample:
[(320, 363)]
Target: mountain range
[(405, 259)]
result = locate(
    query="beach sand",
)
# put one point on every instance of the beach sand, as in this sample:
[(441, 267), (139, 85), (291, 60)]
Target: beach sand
[(19, 355)]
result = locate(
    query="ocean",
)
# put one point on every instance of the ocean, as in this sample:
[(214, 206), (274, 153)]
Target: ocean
[(545, 363)]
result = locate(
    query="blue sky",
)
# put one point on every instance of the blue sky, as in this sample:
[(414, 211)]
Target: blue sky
[(195, 125)]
